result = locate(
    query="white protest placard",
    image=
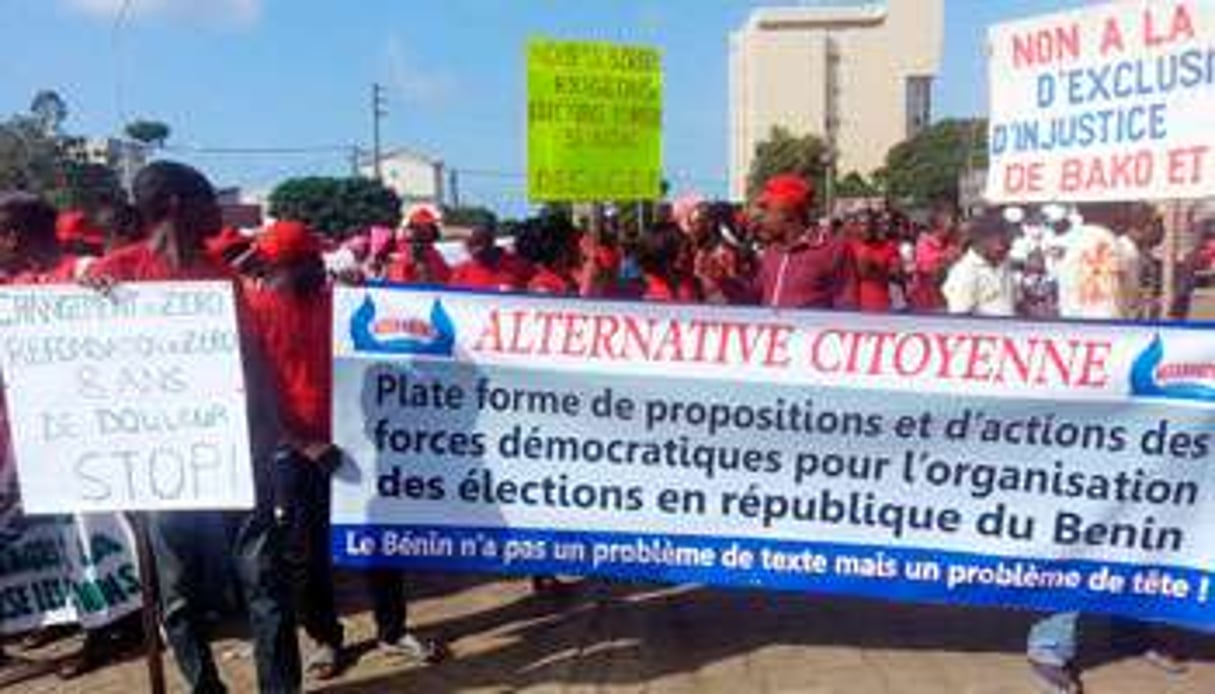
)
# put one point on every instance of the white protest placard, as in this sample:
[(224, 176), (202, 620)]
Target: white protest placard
[(1049, 466), (1106, 103), (67, 569), (133, 401)]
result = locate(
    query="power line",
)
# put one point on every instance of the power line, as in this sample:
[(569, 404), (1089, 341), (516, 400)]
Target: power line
[(256, 151)]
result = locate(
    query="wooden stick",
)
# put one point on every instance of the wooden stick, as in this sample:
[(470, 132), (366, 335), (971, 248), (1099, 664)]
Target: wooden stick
[(151, 605)]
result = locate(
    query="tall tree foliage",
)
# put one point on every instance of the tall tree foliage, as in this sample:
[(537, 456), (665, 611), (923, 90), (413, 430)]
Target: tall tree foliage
[(925, 169), (36, 156), (783, 153), (336, 207), (148, 132)]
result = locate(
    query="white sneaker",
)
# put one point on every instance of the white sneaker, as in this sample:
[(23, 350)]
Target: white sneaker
[(415, 650)]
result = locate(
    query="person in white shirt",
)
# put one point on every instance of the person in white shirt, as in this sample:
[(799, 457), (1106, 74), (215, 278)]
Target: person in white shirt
[(1098, 276), (981, 282)]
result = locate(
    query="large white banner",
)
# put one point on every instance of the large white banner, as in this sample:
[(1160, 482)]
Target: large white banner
[(132, 401), (1107, 102), (1055, 465)]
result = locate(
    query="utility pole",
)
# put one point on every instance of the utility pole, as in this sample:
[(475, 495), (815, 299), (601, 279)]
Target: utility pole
[(378, 111), (831, 115), (453, 186)]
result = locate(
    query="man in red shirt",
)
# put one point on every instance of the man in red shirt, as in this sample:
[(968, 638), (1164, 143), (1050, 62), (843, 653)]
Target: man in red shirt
[(418, 261), (177, 206), (291, 314), (490, 267), (804, 265)]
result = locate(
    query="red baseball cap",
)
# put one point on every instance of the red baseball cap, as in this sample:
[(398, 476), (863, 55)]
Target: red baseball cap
[(422, 217), (288, 242), (75, 226)]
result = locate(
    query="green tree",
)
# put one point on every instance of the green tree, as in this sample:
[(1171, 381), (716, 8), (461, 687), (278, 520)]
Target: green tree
[(925, 169), (783, 153), (83, 186), (28, 158), (854, 185), (148, 132), (336, 207), (53, 167), (469, 216)]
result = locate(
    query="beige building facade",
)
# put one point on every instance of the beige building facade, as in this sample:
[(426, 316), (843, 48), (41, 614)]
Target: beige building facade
[(858, 74)]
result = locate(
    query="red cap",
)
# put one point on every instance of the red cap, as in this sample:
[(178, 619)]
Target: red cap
[(226, 242), (74, 226), (788, 191), (422, 217), (288, 242)]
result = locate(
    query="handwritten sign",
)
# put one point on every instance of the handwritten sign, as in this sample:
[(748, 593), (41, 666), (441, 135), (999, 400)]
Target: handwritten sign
[(129, 402), (594, 122), (1111, 102)]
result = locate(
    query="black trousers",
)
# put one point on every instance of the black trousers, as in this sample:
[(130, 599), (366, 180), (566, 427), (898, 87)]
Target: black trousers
[(302, 505), (184, 544), (387, 588)]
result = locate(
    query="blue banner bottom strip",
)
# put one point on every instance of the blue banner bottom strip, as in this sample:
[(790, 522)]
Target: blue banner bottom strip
[(1173, 595)]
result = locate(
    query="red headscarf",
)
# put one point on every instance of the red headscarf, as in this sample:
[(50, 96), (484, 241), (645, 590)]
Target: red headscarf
[(787, 191)]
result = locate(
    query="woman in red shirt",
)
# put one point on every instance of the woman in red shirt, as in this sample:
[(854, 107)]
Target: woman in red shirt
[(551, 246), (877, 263), (29, 250), (935, 252), (489, 267), (657, 255)]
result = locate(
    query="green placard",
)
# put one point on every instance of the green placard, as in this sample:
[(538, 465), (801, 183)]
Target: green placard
[(594, 122)]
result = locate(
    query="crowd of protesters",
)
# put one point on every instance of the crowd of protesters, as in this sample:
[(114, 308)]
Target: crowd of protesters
[(1094, 262)]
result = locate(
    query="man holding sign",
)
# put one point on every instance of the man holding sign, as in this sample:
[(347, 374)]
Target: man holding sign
[(178, 207)]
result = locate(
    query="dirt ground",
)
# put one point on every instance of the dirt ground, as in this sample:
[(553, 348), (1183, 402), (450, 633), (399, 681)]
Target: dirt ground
[(674, 639)]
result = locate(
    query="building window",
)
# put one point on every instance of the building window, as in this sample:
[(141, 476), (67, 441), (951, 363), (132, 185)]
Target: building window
[(919, 104)]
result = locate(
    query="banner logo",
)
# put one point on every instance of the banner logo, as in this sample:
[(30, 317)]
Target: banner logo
[(434, 335), (1153, 377)]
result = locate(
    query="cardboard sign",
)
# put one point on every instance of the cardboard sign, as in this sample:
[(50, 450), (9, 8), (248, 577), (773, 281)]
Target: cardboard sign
[(1105, 103), (594, 122), (129, 402)]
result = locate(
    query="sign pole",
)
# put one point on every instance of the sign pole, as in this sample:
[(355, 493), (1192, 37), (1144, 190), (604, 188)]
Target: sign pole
[(1172, 233), (151, 604)]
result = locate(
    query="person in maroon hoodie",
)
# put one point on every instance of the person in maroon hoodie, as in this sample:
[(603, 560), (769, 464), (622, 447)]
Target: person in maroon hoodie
[(804, 265)]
